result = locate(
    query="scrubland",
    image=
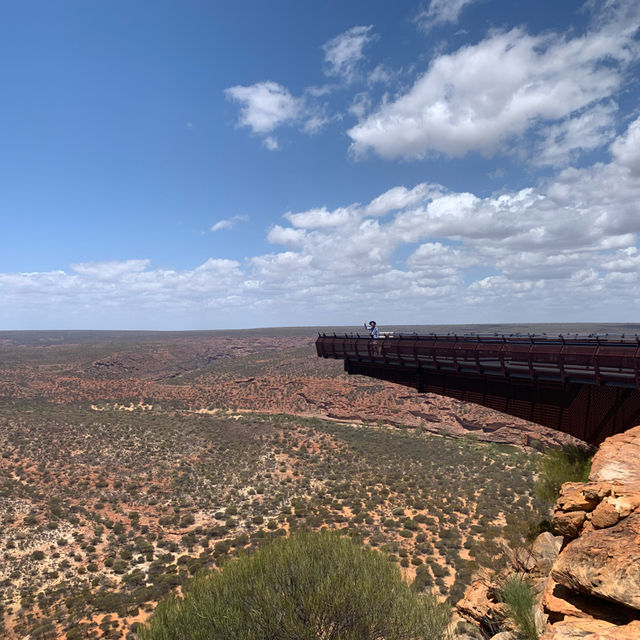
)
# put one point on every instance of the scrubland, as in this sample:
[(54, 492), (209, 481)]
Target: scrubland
[(104, 510)]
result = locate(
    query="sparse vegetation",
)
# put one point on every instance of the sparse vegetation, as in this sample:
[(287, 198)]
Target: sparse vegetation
[(517, 594), (571, 463), (106, 511)]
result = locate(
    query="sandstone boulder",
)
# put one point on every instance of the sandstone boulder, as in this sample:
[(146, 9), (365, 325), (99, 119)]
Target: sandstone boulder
[(480, 606), (479, 602), (590, 629), (568, 524), (604, 563), (618, 459), (574, 498), (625, 498), (545, 550), (605, 515), (560, 602)]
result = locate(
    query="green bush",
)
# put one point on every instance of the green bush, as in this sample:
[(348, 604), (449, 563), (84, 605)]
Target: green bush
[(557, 466), (517, 594), (308, 586)]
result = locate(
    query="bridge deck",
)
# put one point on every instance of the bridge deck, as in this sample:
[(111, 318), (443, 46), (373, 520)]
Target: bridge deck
[(558, 381)]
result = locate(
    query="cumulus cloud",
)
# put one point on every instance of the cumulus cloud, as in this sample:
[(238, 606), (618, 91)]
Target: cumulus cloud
[(265, 105), (228, 223), (562, 142), (481, 96), (626, 149), (400, 198), (563, 249), (268, 106), (271, 143), (343, 53), (110, 270), (320, 218)]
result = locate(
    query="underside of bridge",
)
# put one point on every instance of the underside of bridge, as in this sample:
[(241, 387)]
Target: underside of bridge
[(588, 387), (588, 412)]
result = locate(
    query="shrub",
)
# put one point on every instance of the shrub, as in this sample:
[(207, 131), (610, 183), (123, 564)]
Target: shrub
[(569, 464), (517, 594), (306, 586), (423, 578)]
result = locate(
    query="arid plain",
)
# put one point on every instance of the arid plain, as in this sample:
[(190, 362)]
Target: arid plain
[(129, 461)]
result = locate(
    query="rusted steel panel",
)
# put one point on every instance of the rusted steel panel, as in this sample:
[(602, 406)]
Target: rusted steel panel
[(544, 358), (586, 386)]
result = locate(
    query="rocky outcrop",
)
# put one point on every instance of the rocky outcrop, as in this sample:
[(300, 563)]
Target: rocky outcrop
[(593, 590), (480, 605), (592, 630), (618, 459), (588, 576), (604, 562)]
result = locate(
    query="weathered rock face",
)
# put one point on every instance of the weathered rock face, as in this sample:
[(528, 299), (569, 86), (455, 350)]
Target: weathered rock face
[(592, 630), (560, 603), (589, 575), (545, 550), (593, 591), (604, 562), (568, 524), (618, 459), (481, 606)]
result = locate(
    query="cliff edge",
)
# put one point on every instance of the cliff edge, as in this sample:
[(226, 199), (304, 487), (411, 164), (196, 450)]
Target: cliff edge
[(587, 578), (593, 590)]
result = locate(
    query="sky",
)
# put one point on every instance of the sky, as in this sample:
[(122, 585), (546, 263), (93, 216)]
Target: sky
[(217, 165)]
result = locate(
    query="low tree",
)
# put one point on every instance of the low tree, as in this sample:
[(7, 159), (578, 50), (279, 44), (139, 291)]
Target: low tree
[(308, 586)]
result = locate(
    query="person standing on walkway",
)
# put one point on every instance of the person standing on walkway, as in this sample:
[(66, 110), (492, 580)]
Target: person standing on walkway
[(372, 329), (374, 335)]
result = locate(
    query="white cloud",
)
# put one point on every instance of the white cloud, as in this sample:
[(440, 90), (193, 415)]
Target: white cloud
[(315, 122), (400, 198), (626, 149), (343, 53), (271, 143), (360, 105), (265, 105), (110, 270), (381, 74), (228, 223), (586, 131), (286, 236), (320, 218), (564, 249), (441, 11), (479, 97)]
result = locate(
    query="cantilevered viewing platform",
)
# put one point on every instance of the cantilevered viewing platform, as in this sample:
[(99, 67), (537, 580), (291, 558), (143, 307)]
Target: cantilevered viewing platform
[(584, 385)]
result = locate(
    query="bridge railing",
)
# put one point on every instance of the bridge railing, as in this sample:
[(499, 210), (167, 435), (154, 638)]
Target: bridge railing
[(594, 359)]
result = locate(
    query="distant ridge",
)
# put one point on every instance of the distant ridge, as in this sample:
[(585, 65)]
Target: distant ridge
[(78, 336)]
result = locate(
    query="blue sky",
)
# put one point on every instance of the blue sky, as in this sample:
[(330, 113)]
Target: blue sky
[(194, 165)]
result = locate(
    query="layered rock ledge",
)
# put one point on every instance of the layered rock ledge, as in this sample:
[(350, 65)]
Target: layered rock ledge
[(588, 576), (593, 590)]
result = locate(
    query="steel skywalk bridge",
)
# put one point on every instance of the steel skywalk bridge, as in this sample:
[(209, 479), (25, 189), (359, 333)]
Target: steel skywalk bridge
[(587, 386)]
